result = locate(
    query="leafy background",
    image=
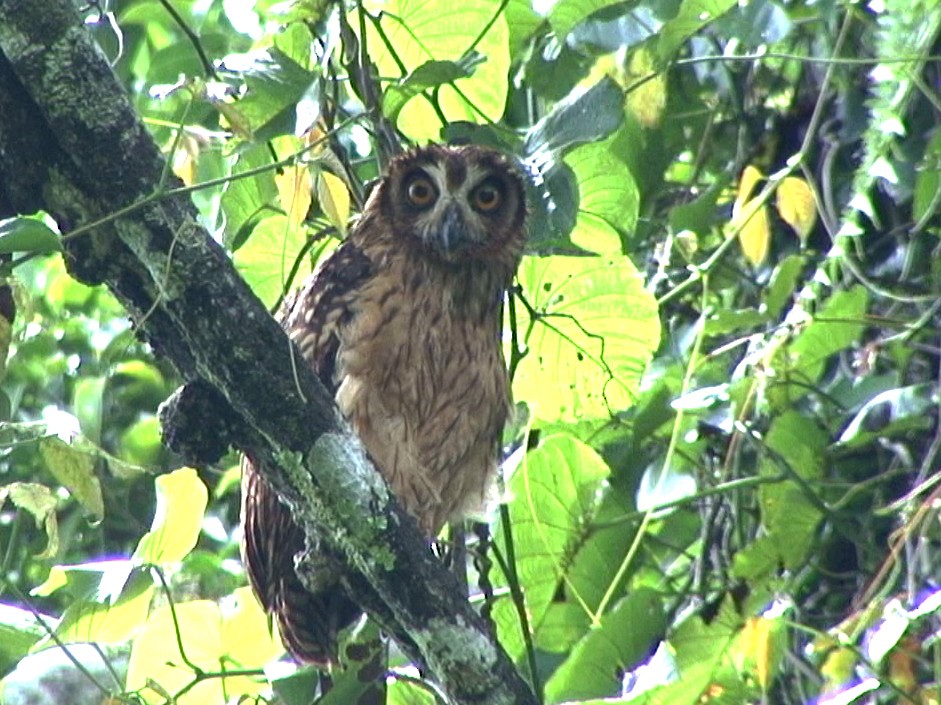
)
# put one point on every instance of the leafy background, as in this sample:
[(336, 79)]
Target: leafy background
[(722, 482)]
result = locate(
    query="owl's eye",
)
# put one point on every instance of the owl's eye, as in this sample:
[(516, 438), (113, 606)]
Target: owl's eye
[(487, 197), (421, 192)]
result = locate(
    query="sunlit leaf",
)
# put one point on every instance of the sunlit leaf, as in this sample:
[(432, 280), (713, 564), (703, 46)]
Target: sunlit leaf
[(334, 199), (109, 601), (607, 192), (267, 259), (419, 31), (247, 633), (294, 192), (594, 332), (796, 206), (157, 665), (181, 503)]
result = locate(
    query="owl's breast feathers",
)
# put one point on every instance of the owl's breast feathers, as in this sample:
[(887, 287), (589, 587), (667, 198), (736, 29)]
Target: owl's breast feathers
[(416, 367)]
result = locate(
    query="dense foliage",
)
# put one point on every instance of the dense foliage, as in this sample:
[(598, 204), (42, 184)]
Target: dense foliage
[(722, 481)]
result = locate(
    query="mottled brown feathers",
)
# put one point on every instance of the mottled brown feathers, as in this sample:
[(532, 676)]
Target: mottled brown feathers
[(402, 324)]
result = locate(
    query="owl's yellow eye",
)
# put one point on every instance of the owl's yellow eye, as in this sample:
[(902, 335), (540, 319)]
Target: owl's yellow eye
[(421, 192), (487, 197)]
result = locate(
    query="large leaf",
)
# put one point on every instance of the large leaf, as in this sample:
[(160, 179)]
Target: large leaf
[(110, 600), (608, 198), (617, 644), (789, 514), (555, 495), (419, 31), (269, 256), (594, 330), (211, 639)]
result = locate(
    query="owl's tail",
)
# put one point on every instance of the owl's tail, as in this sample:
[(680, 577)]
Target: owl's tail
[(308, 622)]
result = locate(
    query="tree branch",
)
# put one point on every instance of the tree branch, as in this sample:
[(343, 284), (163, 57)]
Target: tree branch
[(71, 144)]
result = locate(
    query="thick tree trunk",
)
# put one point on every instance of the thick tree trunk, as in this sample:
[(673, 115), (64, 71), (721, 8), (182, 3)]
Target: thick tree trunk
[(71, 144)]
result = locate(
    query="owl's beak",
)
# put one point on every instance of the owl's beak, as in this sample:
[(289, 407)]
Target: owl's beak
[(452, 233)]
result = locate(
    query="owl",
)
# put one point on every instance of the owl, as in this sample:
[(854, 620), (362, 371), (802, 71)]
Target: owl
[(402, 324)]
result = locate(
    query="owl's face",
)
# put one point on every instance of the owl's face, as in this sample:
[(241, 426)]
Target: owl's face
[(460, 203)]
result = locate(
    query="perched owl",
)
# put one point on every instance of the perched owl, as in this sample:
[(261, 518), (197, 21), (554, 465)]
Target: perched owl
[(402, 324)]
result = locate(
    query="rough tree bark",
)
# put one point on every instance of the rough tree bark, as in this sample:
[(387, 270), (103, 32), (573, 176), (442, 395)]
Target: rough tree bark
[(72, 145)]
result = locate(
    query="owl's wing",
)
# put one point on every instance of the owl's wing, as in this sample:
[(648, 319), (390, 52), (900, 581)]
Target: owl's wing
[(308, 622)]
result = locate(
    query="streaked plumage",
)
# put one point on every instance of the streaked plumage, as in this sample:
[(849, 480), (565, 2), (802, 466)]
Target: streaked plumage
[(402, 324)]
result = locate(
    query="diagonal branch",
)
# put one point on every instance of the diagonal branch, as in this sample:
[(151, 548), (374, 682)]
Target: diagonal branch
[(71, 144)]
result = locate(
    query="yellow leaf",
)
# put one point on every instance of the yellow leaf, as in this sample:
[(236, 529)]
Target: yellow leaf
[(157, 668), (185, 159), (246, 633), (647, 101), (334, 199), (795, 203), (754, 228), (756, 648), (755, 235), (838, 668), (750, 178), (181, 504), (294, 192)]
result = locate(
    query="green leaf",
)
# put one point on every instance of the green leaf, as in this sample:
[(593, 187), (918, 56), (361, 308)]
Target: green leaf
[(74, 469), (783, 283), (555, 495), (86, 402), (247, 200), (141, 443), (594, 331), (267, 258), (419, 31), (276, 83), (39, 501), (621, 640), (584, 116), (27, 234), (565, 15), (927, 196), (181, 504), (608, 196), (789, 514), (891, 413), (835, 326), (19, 630), (692, 16), (430, 74)]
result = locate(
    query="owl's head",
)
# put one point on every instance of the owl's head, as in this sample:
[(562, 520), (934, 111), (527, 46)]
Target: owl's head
[(457, 204)]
